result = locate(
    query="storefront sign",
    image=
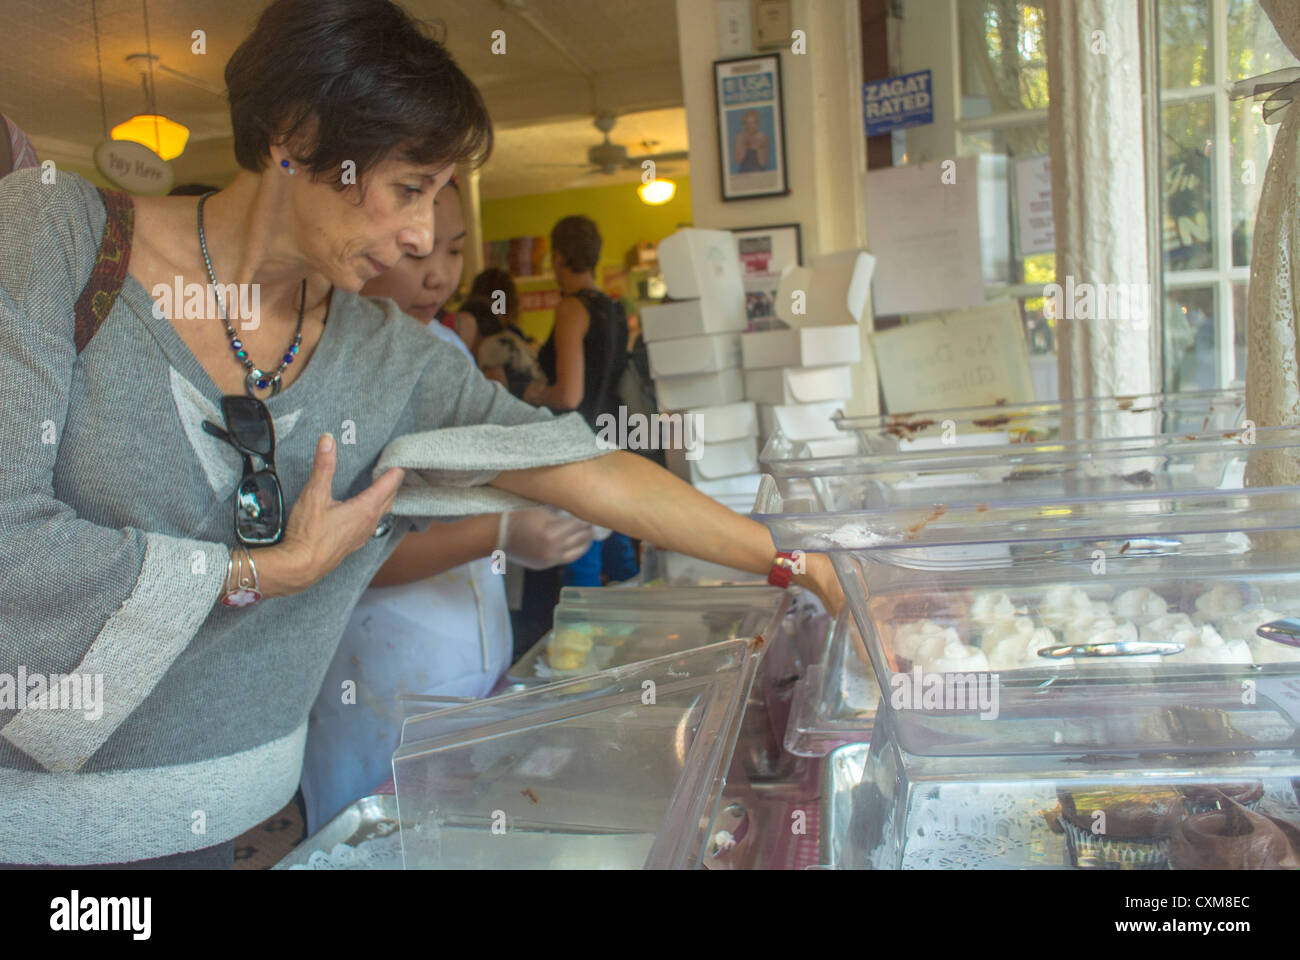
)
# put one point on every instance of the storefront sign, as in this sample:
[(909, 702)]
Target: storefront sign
[(134, 167), (898, 103), (1037, 229)]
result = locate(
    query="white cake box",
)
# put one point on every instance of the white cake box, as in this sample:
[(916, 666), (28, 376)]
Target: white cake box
[(799, 384), (801, 421), (732, 421), (700, 390), (834, 288), (675, 358), (687, 318), (741, 485), (705, 265), (807, 347), (730, 459)]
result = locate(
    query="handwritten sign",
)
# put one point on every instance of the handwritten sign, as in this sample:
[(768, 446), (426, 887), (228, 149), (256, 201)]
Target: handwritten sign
[(971, 358), (134, 167), (898, 103)]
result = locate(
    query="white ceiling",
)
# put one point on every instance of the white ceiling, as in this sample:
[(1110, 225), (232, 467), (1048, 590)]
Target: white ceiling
[(618, 55)]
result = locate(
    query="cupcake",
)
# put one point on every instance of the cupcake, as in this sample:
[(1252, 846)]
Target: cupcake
[(1204, 645), (954, 657), (1206, 798), (1124, 828), (990, 608), (1140, 605), (1019, 650), (1234, 839), (909, 637), (1063, 605), (569, 647), (1219, 601), (1162, 628)]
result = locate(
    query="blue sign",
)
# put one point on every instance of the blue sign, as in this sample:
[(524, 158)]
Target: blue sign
[(898, 103)]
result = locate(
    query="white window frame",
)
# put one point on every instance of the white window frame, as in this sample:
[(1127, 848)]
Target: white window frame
[(1223, 276)]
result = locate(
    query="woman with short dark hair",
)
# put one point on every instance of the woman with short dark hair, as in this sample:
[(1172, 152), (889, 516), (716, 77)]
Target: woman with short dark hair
[(169, 530)]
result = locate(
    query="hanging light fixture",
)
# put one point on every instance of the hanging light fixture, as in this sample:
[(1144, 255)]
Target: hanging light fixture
[(657, 192), (165, 137), (162, 135)]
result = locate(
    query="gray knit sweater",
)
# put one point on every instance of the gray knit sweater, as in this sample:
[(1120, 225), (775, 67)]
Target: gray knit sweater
[(115, 518)]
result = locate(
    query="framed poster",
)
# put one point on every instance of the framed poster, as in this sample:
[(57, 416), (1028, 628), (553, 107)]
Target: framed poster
[(764, 253), (751, 127)]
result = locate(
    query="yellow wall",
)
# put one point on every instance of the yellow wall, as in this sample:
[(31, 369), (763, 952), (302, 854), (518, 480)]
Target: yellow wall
[(621, 216)]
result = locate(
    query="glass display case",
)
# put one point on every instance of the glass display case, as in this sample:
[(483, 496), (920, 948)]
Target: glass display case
[(1059, 625), (619, 769), (886, 808)]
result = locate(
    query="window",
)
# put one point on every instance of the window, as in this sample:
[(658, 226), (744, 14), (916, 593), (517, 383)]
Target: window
[(1003, 112), (1214, 152)]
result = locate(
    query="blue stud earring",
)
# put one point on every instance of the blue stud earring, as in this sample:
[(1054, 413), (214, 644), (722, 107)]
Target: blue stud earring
[(285, 164)]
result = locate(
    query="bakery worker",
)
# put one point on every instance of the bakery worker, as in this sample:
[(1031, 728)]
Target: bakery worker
[(435, 619)]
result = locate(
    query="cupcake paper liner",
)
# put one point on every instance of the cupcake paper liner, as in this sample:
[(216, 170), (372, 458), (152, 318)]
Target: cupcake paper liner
[(1109, 853)]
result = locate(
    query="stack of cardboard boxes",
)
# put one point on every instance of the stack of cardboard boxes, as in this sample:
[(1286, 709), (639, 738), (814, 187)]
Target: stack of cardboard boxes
[(694, 347), (801, 377)]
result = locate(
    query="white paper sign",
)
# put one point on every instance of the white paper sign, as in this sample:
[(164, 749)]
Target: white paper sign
[(972, 358), (1036, 228), (923, 227)]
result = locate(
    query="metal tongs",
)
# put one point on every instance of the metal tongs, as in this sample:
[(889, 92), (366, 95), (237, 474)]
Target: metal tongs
[(1114, 648), (1286, 630)]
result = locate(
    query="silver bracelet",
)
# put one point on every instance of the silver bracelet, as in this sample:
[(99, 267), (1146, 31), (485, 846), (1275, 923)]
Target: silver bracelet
[(239, 591)]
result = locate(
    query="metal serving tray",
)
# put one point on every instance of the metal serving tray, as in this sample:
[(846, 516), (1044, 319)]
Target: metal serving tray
[(371, 821)]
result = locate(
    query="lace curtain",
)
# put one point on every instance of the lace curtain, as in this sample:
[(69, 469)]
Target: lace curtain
[(1099, 195), (1272, 388)]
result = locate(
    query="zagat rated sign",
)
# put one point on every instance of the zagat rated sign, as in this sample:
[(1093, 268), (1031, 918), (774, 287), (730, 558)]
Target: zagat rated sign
[(898, 103), (134, 167)]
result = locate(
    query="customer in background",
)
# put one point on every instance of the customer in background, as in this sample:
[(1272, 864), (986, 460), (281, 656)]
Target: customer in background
[(583, 359), (502, 351), (16, 151), (435, 619)]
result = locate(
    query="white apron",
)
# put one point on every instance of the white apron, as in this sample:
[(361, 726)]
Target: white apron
[(448, 635)]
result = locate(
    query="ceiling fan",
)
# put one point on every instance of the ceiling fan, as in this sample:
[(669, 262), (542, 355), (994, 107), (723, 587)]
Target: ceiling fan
[(608, 158)]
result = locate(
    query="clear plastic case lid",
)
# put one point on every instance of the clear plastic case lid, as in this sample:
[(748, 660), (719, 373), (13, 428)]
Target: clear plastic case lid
[(620, 769), (1118, 466), (1190, 411), (600, 627), (836, 699)]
